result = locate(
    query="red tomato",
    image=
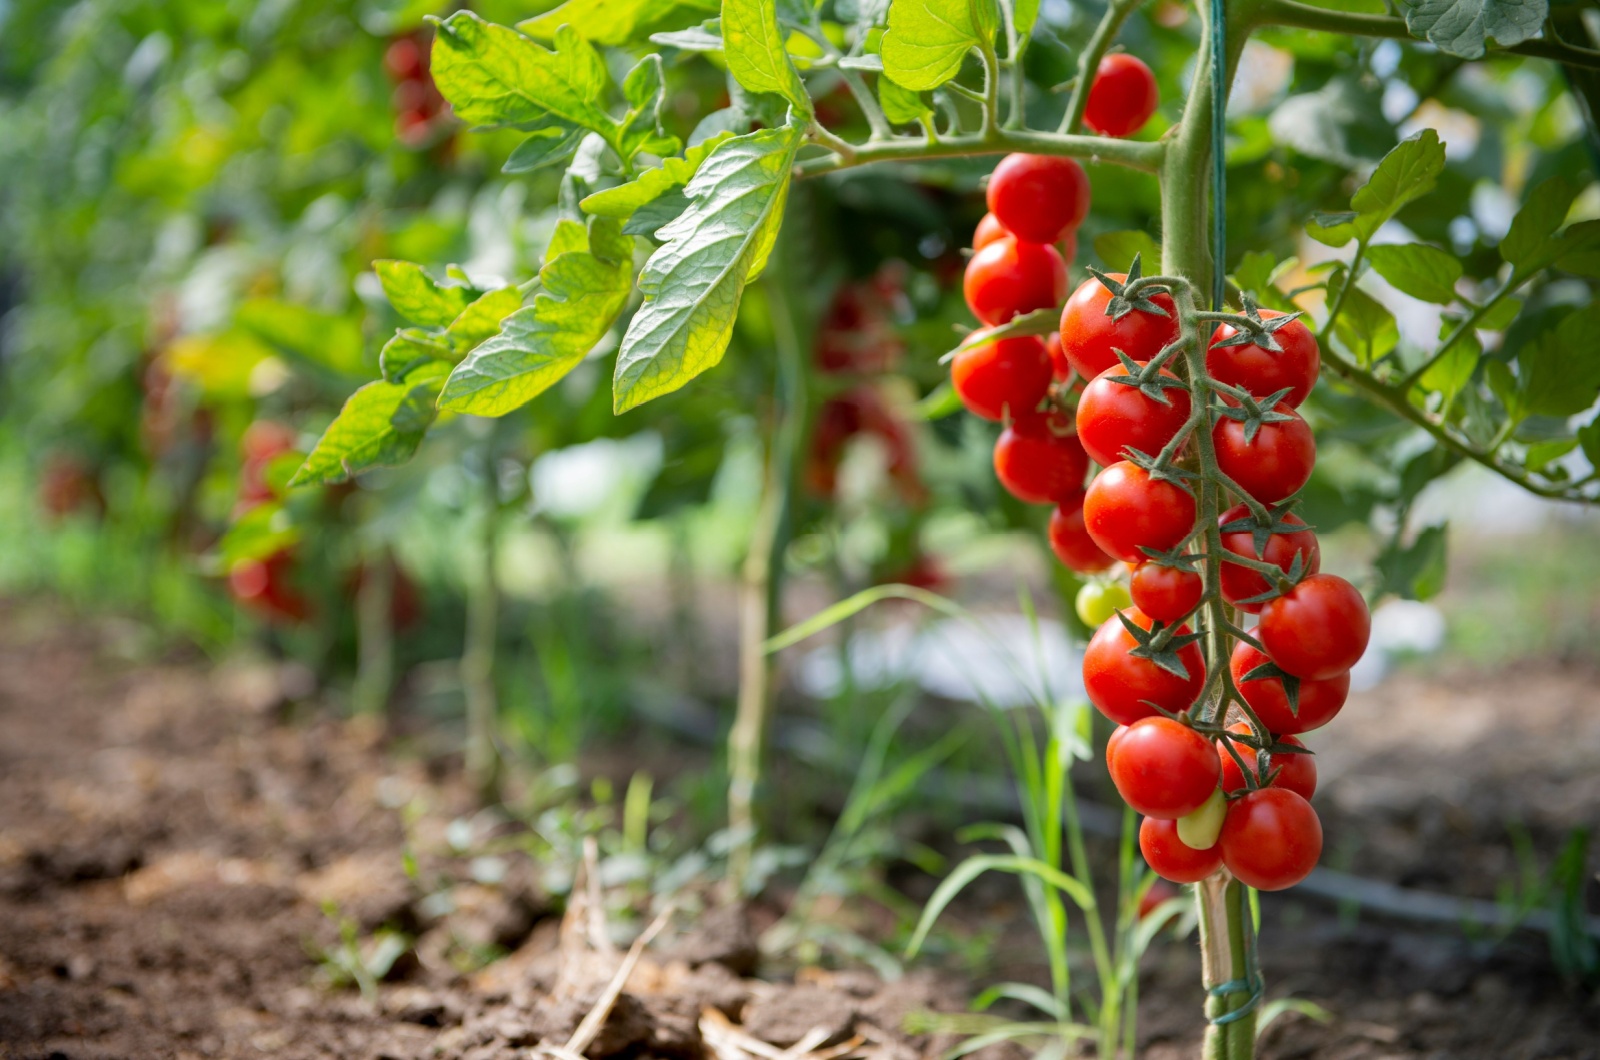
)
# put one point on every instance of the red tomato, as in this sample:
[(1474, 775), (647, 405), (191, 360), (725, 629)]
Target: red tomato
[(1296, 773), (1058, 360), (1163, 768), (1122, 96), (1265, 372), (1009, 277), (1273, 464), (1007, 377), (1241, 583), (1169, 858), (1122, 686), (1072, 544), (405, 59), (1113, 416), (1040, 461), (1126, 509), (265, 439), (1318, 629), (1039, 198), (1166, 594), (265, 586), (1317, 701), (989, 229), (1088, 335), (1271, 839)]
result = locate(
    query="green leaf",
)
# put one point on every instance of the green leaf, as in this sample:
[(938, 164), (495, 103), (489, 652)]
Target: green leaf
[(1118, 249), (622, 200), (1365, 328), (754, 47), (1024, 13), (365, 434), (1531, 242), (927, 40), (412, 347), (1580, 249), (1405, 174), (1542, 454), (656, 214), (979, 864), (1415, 571), (614, 22), (1504, 386), (1462, 27), (417, 297), (1559, 373), (323, 340), (1454, 370), (495, 76), (706, 37), (693, 283), (901, 105), (552, 142), (583, 289), (1417, 269), (1589, 439), (1500, 316)]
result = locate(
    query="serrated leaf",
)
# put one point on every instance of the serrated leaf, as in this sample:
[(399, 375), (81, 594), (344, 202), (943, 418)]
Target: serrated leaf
[(649, 219), (1415, 571), (622, 200), (552, 143), (901, 105), (417, 297), (693, 283), (1024, 13), (757, 57), (493, 75), (928, 40), (411, 348), (1559, 373), (1504, 386), (615, 22), (1118, 249), (582, 291), (1417, 269), (364, 434), (1501, 315), (1408, 172), (1365, 328), (1531, 243), (1454, 370), (1542, 454), (645, 89), (1463, 27)]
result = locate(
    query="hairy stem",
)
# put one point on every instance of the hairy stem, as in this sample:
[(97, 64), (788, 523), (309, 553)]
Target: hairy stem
[(1135, 154), (1105, 34)]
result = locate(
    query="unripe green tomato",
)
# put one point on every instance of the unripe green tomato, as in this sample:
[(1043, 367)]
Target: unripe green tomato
[(1199, 830), (1098, 601)]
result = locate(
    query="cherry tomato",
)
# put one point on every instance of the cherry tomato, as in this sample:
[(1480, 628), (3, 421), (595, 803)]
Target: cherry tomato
[(988, 231), (1122, 96), (1297, 773), (1058, 360), (1317, 701), (1009, 277), (1265, 372), (1241, 583), (1039, 198), (1271, 839), (1169, 858), (1123, 686), (1164, 593), (1318, 629), (1163, 768), (1040, 461), (265, 439), (405, 59), (1072, 544), (1113, 416), (1125, 509), (1088, 335), (1097, 602), (1001, 378), (1273, 464), (265, 586)]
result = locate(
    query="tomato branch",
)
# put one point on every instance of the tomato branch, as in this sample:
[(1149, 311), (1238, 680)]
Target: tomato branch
[(1349, 23), (1134, 154)]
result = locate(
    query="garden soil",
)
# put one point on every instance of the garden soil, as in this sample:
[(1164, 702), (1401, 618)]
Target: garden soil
[(182, 843)]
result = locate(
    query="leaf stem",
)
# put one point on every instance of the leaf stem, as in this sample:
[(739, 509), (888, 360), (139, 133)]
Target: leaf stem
[(1467, 326), (1105, 33)]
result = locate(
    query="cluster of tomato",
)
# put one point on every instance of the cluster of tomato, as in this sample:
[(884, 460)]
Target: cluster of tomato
[(417, 102), (1215, 799), (1211, 799), (265, 585)]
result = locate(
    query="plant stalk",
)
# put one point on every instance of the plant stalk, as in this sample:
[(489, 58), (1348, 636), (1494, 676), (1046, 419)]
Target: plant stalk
[(478, 651), (374, 637)]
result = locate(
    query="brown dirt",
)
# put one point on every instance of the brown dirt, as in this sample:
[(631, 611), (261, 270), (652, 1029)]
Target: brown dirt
[(170, 834)]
